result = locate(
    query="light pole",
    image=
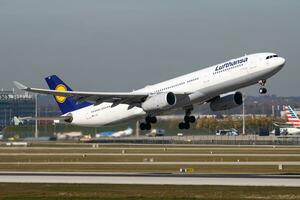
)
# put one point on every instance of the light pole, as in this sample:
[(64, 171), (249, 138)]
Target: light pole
[(36, 115), (137, 128), (5, 117), (244, 125)]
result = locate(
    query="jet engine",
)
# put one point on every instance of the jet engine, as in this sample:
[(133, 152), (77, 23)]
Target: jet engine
[(226, 102), (70, 119), (159, 102)]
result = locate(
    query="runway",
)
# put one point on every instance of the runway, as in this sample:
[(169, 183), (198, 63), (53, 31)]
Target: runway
[(151, 178), (156, 163), (153, 154)]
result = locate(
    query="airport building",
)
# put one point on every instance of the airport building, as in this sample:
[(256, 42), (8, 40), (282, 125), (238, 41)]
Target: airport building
[(13, 104)]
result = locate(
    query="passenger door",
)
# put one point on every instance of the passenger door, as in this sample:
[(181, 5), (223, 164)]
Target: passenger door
[(252, 66)]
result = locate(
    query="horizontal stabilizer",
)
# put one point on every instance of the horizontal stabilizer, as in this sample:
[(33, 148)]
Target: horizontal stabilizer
[(64, 118), (20, 86)]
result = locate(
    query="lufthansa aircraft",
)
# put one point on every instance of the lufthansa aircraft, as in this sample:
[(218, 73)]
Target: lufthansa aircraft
[(216, 85)]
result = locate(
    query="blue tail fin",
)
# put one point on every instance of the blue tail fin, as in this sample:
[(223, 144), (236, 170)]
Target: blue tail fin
[(66, 104)]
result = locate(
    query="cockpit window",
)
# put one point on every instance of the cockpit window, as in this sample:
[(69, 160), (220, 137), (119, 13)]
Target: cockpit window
[(272, 56)]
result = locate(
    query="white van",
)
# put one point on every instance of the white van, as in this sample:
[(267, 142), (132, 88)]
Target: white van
[(228, 132)]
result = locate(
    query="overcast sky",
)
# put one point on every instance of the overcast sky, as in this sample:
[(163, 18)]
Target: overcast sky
[(123, 45)]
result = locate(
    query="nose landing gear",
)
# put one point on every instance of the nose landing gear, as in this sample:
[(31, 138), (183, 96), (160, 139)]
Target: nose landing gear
[(262, 89)]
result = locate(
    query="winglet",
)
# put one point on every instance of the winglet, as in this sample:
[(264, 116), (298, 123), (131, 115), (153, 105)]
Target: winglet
[(20, 86)]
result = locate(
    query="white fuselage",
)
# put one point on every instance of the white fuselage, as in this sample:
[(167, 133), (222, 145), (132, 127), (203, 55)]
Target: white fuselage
[(201, 86), (289, 130), (292, 130)]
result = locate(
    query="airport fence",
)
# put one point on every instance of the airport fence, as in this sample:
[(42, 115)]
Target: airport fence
[(207, 140)]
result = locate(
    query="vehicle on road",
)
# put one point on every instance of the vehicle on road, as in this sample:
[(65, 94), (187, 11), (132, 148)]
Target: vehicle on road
[(228, 132)]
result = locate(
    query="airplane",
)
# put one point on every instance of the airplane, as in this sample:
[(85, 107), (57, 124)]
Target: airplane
[(216, 85), (68, 135), (292, 127), (17, 121), (123, 133)]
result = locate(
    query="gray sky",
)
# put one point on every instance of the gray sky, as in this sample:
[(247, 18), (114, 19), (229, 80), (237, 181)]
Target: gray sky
[(123, 45)]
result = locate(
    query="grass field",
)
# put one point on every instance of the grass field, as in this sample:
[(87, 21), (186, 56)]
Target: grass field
[(22, 158), (153, 168), (13, 191), (140, 158)]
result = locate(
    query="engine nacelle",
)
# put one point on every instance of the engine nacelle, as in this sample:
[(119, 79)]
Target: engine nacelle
[(159, 102), (226, 102), (69, 120)]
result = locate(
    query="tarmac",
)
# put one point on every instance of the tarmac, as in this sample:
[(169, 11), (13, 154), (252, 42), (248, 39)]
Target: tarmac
[(156, 163), (151, 179), (153, 154)]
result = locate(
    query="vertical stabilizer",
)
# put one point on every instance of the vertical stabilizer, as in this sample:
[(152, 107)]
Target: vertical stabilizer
[(66, 104), (292, 116)]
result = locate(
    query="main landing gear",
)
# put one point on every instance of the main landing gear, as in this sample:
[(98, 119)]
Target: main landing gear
[(188, 118), (148, 121), (262, 89)]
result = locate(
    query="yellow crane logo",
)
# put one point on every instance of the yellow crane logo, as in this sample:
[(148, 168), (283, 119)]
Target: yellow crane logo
[(60, 99)]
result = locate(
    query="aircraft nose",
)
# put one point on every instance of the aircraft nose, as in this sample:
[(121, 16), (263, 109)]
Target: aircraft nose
[(281, 61)]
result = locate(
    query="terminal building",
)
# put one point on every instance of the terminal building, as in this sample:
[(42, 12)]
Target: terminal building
[(13, 104)]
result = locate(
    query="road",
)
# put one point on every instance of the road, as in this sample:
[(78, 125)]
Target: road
[(155, 179)]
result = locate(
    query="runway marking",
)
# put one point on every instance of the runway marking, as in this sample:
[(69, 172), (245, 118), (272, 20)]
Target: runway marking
[(152, 154), (150, 179), (254, 148), (155, 163)]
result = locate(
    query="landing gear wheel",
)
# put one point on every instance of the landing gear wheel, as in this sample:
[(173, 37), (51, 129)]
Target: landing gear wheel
[(192, 119), (187, 125), (186, 119), (151, 120), (148, 127), (148, 119), (189, 119), (262, 90), (145, 126), (181, 125), (265, 90)]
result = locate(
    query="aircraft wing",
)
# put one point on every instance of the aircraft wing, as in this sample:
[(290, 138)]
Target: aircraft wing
[(96, 97), (131, 98)]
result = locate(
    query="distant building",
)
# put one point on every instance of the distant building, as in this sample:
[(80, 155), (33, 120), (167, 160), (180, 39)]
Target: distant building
[(12, 104)]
